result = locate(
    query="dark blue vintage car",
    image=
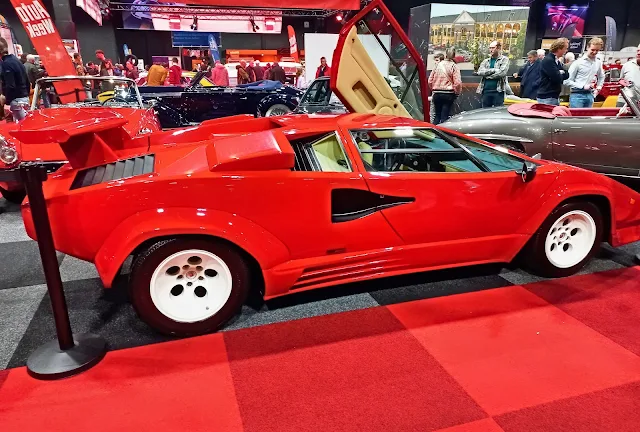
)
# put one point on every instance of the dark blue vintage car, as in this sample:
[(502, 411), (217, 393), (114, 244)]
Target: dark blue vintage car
[(183, 106)]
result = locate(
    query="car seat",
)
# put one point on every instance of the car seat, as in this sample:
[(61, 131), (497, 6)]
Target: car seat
[(367, 157), (330, 154), (561, 111)]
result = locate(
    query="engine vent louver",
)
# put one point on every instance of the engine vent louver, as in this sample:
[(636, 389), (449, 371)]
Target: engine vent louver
[(114, 171)]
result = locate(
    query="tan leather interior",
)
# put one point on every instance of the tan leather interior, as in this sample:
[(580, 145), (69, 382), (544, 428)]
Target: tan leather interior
[(360, 83)]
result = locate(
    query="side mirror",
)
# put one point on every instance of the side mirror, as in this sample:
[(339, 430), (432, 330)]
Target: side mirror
[(528, 172)]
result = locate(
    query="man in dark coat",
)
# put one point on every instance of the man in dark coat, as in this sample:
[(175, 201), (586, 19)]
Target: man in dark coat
[(14, 82), (552, 73), (277, 73), (530, 76)]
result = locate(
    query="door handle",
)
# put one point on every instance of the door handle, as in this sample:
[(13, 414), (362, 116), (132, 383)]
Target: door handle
[(560, 130)]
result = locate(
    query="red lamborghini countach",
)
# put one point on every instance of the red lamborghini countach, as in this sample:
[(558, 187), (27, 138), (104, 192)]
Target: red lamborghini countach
[(285, 204)]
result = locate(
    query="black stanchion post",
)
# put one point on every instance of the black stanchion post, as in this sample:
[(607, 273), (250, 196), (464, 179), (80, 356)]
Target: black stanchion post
[(68, 355)]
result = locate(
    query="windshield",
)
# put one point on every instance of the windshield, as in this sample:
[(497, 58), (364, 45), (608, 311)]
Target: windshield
[(632, 97), (392, 59), (493, 158), (64, 92)]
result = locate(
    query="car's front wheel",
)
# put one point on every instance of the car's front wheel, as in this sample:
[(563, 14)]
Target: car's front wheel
[(186, 287), (277, 110), (567, 240)]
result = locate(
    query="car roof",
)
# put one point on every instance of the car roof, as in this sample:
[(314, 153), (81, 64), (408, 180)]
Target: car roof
[(349, 121)]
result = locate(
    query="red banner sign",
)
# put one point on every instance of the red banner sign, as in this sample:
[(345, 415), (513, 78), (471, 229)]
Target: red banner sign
[(278, 4), (293, 45), (46, 40)]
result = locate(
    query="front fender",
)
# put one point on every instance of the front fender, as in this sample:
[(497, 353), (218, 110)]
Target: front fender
[(141, 227), (574, 185)]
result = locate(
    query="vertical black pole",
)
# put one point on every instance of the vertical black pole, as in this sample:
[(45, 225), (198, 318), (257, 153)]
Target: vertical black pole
[(33, 176)]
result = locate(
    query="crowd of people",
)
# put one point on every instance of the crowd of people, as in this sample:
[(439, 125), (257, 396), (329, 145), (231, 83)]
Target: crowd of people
[(545, 77)]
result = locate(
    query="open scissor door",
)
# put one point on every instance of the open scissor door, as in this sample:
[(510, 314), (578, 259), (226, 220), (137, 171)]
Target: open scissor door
[(376, 69)]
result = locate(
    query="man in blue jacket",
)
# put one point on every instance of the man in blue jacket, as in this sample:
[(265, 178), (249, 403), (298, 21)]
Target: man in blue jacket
[(552, 74), (14, 82), (530, 75)]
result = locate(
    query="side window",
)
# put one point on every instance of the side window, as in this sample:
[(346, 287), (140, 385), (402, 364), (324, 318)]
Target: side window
[(494, 159), (320, 153), (405, 149)]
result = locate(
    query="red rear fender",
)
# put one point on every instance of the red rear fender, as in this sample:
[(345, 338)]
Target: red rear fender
[(263, 246)]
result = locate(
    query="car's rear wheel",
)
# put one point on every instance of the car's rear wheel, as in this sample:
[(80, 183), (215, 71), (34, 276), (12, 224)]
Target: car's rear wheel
[(16, 196), (277, 109), (186, 287), (567, 240)]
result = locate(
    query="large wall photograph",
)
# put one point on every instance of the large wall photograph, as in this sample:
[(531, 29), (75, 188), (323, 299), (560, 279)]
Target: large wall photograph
[(471, 28), (565, 21)]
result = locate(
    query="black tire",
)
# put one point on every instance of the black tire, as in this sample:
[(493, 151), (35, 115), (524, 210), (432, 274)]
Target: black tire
[(535, 257), (148, 260), (15, 197), (277, 109)]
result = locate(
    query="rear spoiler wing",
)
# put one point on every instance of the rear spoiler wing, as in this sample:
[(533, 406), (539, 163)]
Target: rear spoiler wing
[(83, 141)]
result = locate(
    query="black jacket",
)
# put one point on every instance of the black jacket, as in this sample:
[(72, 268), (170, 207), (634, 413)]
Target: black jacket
[(278, 74), (550, 77), (13, 76), (530, 83)]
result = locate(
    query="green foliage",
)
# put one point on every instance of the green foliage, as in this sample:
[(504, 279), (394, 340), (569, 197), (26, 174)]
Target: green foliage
[(518, 51)]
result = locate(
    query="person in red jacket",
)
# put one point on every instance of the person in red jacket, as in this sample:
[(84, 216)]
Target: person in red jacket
[(175, 73), (323, 69), (220, 75)]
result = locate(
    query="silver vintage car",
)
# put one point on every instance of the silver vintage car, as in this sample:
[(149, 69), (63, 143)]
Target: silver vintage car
[(606, 140)]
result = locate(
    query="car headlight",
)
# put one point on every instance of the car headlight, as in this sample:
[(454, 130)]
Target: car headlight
[(8, 154)]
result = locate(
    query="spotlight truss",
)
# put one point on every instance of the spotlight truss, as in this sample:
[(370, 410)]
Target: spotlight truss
[(204, 12)]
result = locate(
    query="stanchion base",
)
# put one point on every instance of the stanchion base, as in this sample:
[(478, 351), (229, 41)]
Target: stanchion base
[(50, 362)]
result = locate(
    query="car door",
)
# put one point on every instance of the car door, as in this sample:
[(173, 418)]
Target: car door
[(446, 203), (460, 200), (205, 104), (373, 50), (605, 144)]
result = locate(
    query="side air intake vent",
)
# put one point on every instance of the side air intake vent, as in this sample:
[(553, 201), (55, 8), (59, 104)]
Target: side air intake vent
[(114, 171)]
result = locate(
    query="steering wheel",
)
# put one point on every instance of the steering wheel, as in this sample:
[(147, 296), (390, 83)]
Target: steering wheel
[(115, 99), (624, 110)]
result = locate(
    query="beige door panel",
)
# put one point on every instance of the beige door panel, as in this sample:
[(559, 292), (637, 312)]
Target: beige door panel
[(360, 83)]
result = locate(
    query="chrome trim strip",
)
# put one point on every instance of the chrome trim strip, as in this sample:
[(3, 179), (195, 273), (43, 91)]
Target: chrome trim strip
[(488, 137)]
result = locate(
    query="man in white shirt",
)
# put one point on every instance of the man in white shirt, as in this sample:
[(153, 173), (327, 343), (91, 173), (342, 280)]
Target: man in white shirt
[(631, 75), (582, 74)]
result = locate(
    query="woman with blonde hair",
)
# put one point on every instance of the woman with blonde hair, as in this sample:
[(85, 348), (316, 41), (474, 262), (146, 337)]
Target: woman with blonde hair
[(445, 84)]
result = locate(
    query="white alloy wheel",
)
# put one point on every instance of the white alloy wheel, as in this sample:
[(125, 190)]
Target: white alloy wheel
[(191, 286), (570, 239), (277, 110)]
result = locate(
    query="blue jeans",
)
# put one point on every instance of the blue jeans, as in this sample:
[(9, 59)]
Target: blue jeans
[(549, 101), (581, 100), (492, 99)]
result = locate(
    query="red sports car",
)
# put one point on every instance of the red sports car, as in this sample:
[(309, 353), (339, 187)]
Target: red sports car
[(285, 204), (48, 105)]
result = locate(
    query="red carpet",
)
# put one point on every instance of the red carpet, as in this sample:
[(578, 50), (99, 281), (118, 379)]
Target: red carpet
[(552, 356)]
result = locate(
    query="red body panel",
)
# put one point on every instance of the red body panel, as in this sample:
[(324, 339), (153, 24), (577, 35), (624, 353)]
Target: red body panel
[(282, 218)]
